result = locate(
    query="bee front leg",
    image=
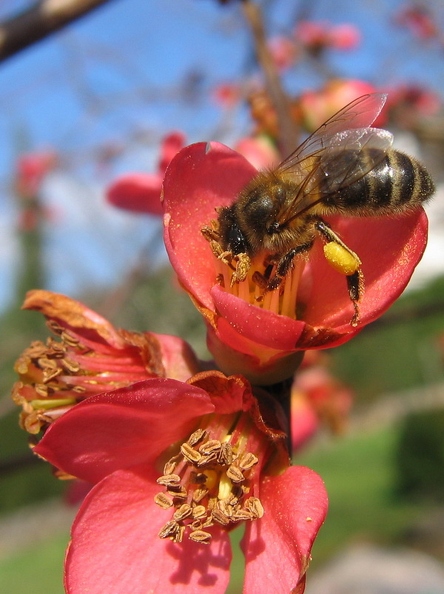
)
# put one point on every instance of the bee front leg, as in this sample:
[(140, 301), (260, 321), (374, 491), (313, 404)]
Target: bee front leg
[(345, 261)]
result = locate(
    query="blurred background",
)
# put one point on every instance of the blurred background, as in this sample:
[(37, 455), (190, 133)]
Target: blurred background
[(102, 97)]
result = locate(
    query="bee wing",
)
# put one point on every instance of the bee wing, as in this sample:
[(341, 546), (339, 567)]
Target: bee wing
[(359, 114), (344, 163), (331, 158), (329, 171)]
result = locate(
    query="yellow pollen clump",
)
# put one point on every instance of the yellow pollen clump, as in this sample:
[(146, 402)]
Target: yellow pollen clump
[(341, 259)]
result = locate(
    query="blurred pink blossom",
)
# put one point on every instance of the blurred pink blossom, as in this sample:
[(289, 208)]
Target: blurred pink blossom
[(140, 192)]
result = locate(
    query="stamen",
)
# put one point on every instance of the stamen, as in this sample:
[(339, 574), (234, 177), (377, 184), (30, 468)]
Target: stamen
[(208, 484), (248, 280)]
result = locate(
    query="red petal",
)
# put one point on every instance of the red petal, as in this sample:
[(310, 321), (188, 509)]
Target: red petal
[(139, 192), (115, 547), (260, 365), (282, 333), (277, 547), (124, 427), (171, 145), (178, 357), (199, 179)]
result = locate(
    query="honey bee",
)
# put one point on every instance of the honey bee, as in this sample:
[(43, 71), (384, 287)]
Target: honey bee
[(345, 167)]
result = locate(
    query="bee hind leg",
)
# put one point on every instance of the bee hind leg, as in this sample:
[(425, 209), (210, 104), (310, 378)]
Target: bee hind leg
[(355, 284), (345, 261)]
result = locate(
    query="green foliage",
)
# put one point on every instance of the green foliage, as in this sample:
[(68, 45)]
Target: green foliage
[(358, 475), (158, 304), (398, 351), (37, 570), (419, 457)]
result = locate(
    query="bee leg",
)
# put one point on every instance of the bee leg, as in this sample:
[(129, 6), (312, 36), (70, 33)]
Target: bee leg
[(345, 261), (355, 284), (285, 263)]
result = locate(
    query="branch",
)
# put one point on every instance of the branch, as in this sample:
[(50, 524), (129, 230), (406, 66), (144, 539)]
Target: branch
[(287, 128), (40, 21)]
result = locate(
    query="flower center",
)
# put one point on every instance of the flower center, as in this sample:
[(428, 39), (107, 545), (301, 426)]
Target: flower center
[(263, 281), (252, 289), (56, 375), (208, 482)]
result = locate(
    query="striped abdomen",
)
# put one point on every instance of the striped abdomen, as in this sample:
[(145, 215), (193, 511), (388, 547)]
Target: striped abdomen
[(397, 184)]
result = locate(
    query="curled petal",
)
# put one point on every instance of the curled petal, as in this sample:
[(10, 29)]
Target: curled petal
[(72, 314), (236, 353)]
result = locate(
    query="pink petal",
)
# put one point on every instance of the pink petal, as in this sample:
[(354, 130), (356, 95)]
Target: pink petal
[(124, 427), (138, 192), (259, 151), (277, 547), (260, 365), (200, 178), (304, 422), (115, 547)]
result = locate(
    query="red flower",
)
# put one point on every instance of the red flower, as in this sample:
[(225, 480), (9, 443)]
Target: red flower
[(419, 20), (283, 52), (259, 151), (317, 36), (140, 192), (91, 356), (262, 340), (317, 397), (227, 95), (31, 170), (141, 529), (319, 105), (312, 34), (345, 37)]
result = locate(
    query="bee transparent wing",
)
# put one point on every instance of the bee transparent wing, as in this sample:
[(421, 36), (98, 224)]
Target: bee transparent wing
[(359, 114), (341, 164), (345, 163)]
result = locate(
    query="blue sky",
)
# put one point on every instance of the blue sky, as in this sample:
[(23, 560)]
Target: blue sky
[(116, 76)]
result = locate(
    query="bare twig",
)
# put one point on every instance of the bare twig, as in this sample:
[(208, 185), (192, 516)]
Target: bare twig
[(287, 127), (39, 21)]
